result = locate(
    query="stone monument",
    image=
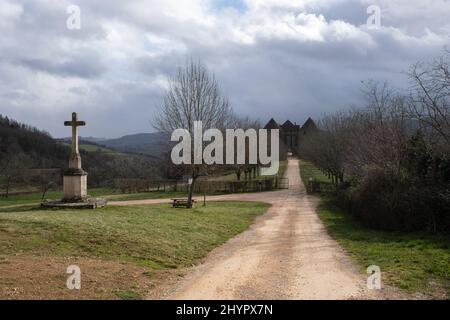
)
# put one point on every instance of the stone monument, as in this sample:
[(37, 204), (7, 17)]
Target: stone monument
[(75, 178)]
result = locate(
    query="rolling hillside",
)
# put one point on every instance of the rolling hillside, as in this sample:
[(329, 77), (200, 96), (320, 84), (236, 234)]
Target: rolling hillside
[(23, 147), (151, 144)]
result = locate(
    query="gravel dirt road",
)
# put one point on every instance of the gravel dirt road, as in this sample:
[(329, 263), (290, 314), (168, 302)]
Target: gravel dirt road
[(285, 254)]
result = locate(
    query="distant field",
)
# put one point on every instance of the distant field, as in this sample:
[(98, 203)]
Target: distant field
[(95, 148), (415, 262), (121, 250), (37, 197), (113, 194), (146, 196), (308, 170), (231, 176), (109, 194)]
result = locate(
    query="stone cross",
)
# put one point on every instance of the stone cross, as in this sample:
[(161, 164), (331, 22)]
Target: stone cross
[(75, 159)]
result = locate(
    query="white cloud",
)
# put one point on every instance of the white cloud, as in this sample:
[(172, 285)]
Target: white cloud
[(298, 57), (9, 10)]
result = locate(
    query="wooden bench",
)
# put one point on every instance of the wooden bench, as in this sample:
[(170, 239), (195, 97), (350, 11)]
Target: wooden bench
[(181, 203)]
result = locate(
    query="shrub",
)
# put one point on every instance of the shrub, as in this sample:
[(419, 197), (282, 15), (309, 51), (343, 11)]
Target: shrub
[(389, 201)]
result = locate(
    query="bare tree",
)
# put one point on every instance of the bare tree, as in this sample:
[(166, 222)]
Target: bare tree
[(246, 168), (430, 100), (193, 95), (326, 147), (358, 139), (395, 152), (12, 169), (377, 134)]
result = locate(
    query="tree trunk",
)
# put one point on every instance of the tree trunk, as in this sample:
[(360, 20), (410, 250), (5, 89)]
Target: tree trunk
[(8, 185), (238, 175), (190, 192)]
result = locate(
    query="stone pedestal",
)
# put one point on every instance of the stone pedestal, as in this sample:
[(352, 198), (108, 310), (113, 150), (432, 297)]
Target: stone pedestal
[(75, 185), (75, 179), (75, 193)]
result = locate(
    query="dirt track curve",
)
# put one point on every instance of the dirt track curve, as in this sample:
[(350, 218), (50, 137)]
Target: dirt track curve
[(285, 254)]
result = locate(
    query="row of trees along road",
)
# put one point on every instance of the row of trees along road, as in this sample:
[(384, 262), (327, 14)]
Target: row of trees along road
[(390, 161), (194, 95)]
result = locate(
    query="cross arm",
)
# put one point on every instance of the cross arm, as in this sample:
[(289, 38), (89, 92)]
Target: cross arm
[(78, 123)]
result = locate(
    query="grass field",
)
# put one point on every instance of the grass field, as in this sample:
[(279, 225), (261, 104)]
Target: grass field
[(308, 170), (36, 197), (415, 262), (231, 176), (115, 195), (95, 148), (153, 237), (109, 194)]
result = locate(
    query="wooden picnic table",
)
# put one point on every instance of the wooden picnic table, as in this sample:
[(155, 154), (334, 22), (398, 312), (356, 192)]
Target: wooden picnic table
[(181, 202)]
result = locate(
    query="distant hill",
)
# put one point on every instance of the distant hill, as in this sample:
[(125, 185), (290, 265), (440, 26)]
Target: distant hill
[(93, 139), (25, 147), (151, 144), (89, 146), (154, 145), (40, 148)]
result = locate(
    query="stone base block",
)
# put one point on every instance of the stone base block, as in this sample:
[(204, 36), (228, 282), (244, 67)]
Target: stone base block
[(75, 187)]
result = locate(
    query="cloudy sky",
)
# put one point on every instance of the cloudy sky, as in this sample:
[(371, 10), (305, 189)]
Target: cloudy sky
[(274, 58)]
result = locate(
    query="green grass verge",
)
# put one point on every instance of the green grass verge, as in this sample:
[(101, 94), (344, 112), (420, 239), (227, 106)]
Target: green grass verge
[(415, 262), (109, 194), (146, 196), (156, 236), (308, 170), (94, 148), (114, 195), (231, 176), (37, 196)]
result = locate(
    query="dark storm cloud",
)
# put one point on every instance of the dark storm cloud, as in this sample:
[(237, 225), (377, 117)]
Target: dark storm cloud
[(283, 58), (160, 65), (89, 66)]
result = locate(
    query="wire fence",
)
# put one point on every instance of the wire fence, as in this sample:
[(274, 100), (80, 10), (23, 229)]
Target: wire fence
[(218, 186)]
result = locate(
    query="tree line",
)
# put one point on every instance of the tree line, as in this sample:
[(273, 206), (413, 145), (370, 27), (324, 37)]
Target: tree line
[(390, 160), (194, 94), (25, 149)]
